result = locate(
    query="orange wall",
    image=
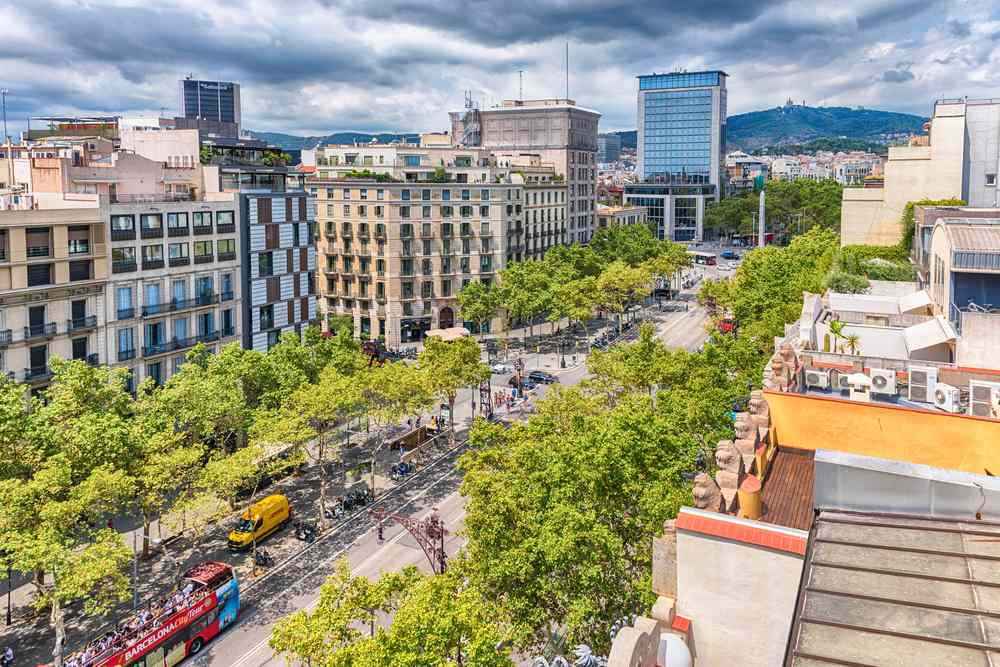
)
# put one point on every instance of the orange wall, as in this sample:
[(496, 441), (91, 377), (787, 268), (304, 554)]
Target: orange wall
[(957, 442)]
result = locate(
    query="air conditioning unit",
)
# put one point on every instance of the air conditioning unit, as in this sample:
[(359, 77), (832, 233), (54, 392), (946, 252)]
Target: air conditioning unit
[(923, 380), (984, 399), (842, 382), (947, 397), (860, 387), (817, 378), (883, 381)]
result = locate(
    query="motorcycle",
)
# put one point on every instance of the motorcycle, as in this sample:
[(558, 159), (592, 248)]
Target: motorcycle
[(263, 559), (401, 470), (305, 532), (334, 512)]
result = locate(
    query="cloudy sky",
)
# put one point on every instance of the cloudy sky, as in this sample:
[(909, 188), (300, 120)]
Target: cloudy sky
[(317, 66)]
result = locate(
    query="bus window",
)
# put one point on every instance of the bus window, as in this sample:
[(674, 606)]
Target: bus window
[(177, 651)]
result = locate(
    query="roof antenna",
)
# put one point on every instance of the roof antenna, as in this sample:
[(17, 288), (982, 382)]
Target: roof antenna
[(567, 70), (520, 84)]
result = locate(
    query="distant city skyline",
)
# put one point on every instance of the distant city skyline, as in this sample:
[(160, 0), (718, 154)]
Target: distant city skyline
[(315, 67)]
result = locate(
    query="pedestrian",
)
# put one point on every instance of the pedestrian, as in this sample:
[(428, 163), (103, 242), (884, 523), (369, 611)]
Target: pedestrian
[(418, 420)]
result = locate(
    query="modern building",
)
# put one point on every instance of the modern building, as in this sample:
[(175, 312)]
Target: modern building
[(925, 218), (557, 131), (174, 282), (958, 158), (53, 272), (217, 101), (681, 149), (609, 148)]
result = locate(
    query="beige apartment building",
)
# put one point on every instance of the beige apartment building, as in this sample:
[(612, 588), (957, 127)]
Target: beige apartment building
[(619, 216), (393, 256), (53, 272)]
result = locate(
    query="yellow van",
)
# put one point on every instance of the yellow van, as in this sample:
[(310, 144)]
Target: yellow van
[(260, 520)]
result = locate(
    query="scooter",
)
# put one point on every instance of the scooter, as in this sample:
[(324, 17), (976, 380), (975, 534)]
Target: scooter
[(263, 559), (305, 532)]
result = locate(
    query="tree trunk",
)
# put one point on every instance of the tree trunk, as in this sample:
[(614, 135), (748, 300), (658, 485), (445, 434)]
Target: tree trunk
[(451, 418), (145, 535), (58, 620), (321, 455)]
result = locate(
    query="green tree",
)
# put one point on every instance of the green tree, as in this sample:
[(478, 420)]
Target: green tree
[(525, 289), (450, 366), (478, 302), (620, 285), (576, 300), (434, 620)]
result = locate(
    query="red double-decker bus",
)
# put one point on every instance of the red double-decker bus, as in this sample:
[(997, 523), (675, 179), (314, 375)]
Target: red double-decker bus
[(163, 633)]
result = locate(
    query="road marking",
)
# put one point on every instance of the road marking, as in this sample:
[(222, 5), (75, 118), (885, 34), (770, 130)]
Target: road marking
[(246, 656)]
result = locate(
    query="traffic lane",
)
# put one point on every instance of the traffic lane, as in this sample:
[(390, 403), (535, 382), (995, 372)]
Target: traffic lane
[(368, 558), (290, 588)]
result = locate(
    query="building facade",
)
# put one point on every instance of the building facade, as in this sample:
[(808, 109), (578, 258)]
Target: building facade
[(174, 283), (53, 272), (557, 132), (609, 148), (394, 256), (619, 216), (681, 147)]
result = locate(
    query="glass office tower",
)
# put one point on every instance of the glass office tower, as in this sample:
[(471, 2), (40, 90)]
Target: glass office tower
[(681, 149)]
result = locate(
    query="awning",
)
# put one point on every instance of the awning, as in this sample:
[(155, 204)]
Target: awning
[(450, 334), (928, 334)]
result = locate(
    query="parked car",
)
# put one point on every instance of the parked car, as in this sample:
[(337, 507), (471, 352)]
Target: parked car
[(729, 254), (501, 368), (542, 377), (527, 383)]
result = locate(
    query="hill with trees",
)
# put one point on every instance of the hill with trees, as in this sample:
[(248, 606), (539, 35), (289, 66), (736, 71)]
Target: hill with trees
[(295, 142)]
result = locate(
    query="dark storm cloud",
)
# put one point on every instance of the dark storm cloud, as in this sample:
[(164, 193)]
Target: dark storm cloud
[(529, 21), (878, 14), (897, 76)]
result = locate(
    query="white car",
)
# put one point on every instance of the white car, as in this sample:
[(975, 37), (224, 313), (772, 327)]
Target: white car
[(501, 368), (734, 265)]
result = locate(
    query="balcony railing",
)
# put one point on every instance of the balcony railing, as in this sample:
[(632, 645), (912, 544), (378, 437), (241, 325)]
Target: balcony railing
[(152, 233), (80, 323), (123, 234), (178, 261), (179, 304), (202, 230), (226, 296), (151, 264), (79, 248), (125, 355), (204, 259), (126, 313), (6, 336), (35, 373), (225, 227), (228, 331), (40, 331), (174, 232), (227, 256)]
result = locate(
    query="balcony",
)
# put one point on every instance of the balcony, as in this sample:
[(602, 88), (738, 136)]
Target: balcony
[(40, 331), (226, 296), (125, 355), (227, 256), (177, 261), (81, 247), (204, 259), (229, 331), (174, 232), (152, 233), (81, 323), (6, 336), (37, 373), (202, 230), (35, 251), (184, 304), (123, 234), (225, 227), (151, 264), (126, 313)]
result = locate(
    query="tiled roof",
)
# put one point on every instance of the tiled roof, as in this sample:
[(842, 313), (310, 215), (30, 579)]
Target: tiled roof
[(741, 530)]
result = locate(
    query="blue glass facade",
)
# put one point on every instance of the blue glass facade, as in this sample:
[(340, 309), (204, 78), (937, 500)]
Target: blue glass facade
[(677, 136), (679, 80)]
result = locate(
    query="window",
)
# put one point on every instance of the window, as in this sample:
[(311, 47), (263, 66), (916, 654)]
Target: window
[(404, 195), (404, 212), (991, 179), (484, 195), (202, 248), (362, 211), (466, 211), (484, 229), (347, 193), (484, 211), (380, 194), (411, 160), (151, 221), (179, 220), (224, 217), (425, 267), (425, 195), (446, 288), (425, 212), (406, 231), (178, 250), (126, 342), (364, 193), (407, 290), (122, 223), (446, 211), (123, 255), (152, 253), (466, 195), (225, 246), (266, 317), (379, 211), (446, 230), (80, 270), (79, 240), (264, 264), (202, 218), (446, 195)]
